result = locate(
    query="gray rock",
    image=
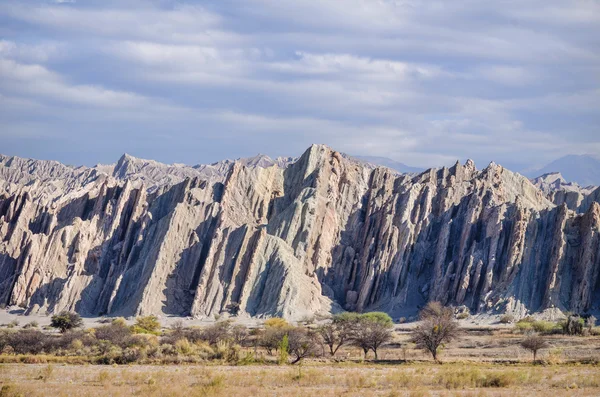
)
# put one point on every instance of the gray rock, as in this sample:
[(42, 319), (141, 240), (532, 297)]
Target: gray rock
[(290, 238)]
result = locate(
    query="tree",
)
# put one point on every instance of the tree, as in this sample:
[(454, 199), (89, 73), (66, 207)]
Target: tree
[(438, 326), (234, 308), (573, 325), (270, 338), (533, 343), (65, 321), (340, 331), (372, 330), (302, 343)]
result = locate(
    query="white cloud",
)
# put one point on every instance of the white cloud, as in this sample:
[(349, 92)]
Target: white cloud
[(422, 82), (183, 22), (38, 53)]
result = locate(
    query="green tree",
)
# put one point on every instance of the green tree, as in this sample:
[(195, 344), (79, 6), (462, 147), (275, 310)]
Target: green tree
[(372, 330), (65, 321)]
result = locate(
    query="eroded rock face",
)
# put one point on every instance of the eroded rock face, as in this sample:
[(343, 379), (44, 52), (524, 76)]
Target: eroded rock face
[(559, 191), (289, 237)]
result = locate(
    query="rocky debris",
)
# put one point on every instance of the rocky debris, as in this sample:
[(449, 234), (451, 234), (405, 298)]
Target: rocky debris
[(289, 237)]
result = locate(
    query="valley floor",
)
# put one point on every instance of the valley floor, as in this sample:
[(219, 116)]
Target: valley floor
[(312, 379)]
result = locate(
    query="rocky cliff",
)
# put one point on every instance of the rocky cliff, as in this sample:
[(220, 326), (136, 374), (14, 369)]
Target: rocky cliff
[(289, 237)]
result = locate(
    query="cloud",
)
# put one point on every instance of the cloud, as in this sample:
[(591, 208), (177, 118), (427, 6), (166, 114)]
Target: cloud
[(425, 83), (42, 52)]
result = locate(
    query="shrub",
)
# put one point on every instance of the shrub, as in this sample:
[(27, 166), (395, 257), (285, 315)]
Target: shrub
[(224, 350), (28, 341), (146, 325), (573, 325), (32, 324), (116, 333), (217, 332), (13, 324), (276, 322), (183, 346), (65, 321), (523, 326), (473, 377), (130, 355), (543, 327), (590, 323), (507, 319), (283, 350), (239, 334), (64, 341)]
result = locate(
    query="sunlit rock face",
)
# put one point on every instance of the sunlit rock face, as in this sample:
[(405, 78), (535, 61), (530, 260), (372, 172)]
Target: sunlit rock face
[(290, 237)]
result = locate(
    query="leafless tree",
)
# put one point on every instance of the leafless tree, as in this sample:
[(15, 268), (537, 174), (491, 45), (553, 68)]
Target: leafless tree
[(302, 343), (533, 343), (438, 326), (590, 323), (239, 334)]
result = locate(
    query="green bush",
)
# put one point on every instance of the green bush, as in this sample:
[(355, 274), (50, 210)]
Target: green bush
[(146, 325), (523, 326), (543, 327)]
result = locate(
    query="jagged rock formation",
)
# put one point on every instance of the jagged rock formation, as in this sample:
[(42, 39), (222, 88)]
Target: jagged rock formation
[(559, 191), (289, 237)]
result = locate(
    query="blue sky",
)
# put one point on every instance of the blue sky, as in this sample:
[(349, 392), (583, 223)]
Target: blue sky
[(421, 82)]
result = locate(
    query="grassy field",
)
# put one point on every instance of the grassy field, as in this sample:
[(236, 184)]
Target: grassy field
[(483, 361), (311, 379)]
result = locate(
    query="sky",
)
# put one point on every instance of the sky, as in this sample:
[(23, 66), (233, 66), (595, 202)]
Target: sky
[(425, 83)]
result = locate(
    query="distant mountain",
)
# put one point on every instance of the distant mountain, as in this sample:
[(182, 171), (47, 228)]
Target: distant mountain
[(385, 162), (583, 169)]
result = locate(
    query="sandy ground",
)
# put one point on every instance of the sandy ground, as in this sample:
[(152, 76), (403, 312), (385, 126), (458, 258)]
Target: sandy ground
[(483, 321), (12, 313)]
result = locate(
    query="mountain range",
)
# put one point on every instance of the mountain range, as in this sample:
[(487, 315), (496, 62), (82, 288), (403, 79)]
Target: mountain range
[(290, 237), (581, 169)]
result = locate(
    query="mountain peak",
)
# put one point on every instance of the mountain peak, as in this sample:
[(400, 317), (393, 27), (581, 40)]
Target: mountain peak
[(583, 169)]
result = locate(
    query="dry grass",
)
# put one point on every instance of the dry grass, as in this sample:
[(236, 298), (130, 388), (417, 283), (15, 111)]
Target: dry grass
[(316, 379)]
